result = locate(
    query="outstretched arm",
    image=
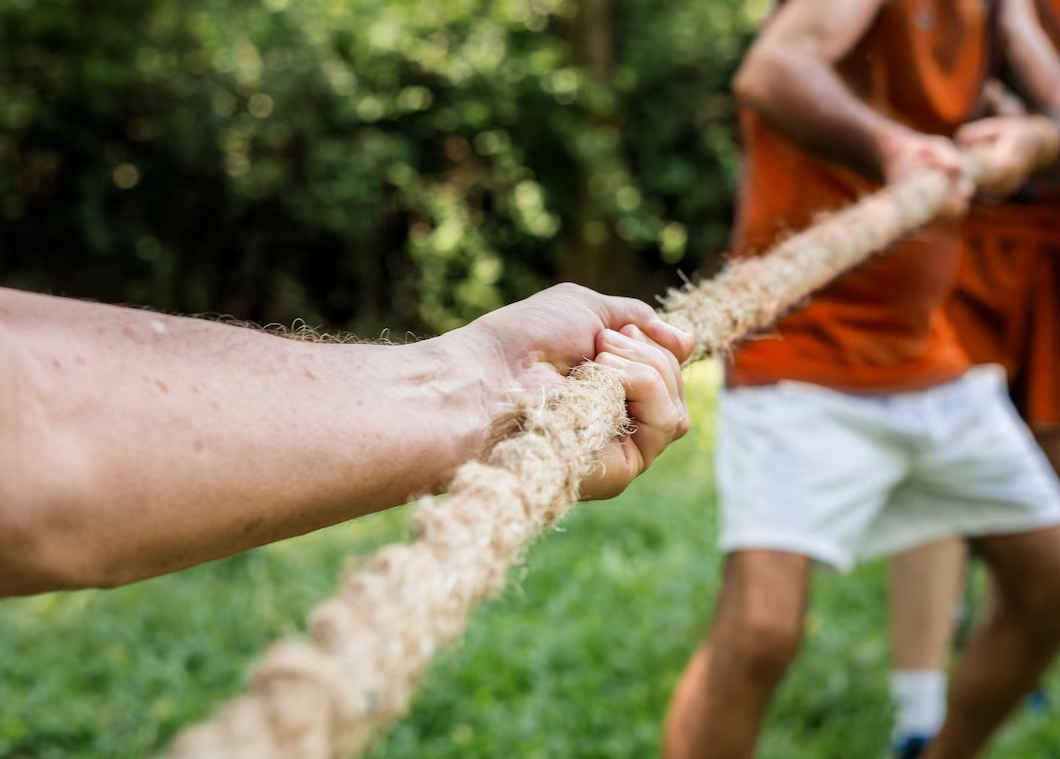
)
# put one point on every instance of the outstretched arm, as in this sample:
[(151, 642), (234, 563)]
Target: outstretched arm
[(135, 444)]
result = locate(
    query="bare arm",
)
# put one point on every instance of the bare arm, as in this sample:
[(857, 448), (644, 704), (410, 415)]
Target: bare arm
[(135, 444), (789, 76), (1030, 57), (1022, 147)]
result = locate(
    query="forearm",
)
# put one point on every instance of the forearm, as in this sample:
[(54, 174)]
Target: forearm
[(1029, 68), (136, 444), (802, 94), (1032, 62)]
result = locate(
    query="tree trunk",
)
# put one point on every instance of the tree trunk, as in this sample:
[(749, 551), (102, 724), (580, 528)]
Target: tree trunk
[(594, 255)]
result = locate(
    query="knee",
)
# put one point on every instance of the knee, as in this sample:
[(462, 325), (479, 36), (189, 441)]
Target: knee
[(1036, 611), (764, 642)]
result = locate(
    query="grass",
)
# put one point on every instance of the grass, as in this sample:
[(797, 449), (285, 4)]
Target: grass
[(577, 659)]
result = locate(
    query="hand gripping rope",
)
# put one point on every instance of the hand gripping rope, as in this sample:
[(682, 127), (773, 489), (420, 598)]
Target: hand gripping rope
[(327, 696)]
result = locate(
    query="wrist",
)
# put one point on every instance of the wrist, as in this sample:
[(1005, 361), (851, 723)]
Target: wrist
[(1048, 133), (893, 143), (468, 383), (411, 414)]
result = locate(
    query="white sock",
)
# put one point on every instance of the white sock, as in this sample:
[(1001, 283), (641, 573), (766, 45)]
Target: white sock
[(920, 700)]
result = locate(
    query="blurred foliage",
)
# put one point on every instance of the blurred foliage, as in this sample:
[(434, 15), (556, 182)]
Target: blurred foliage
[(356, 164)]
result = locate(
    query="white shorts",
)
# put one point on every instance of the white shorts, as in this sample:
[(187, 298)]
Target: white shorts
[(837, 476)]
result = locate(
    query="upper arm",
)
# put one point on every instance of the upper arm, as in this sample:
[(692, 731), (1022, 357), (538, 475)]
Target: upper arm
[(791, 77), (827, 29)]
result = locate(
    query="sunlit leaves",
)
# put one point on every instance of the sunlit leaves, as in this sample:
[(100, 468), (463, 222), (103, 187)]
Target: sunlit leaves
[(381, 162)]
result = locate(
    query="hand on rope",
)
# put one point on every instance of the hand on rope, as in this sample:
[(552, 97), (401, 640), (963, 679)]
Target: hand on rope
[(908, 154), (326, 698), (1011, 148), (540, 340), (752, 293)]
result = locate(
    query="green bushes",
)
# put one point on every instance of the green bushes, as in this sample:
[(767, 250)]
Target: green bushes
[(360, 164)]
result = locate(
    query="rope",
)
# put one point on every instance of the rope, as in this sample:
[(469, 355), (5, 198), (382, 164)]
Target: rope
[(369, 644), (752, 293)]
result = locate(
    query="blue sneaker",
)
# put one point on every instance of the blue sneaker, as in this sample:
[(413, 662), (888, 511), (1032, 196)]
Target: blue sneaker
[(1038, 701), (910, 747)]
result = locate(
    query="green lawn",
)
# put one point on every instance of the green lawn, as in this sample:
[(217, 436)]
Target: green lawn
[(576, 660)]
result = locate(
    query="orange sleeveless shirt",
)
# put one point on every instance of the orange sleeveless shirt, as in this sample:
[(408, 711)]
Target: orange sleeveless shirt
[(880, 327)]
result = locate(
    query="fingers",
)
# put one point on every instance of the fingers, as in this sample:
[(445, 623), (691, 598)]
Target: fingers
[(617, 312), (915, 154), (653, 388), (976, 133), (941, 154), (677, 342), (619, 466), (984, 138), (655, 400), (632, 344), (1011, 147)]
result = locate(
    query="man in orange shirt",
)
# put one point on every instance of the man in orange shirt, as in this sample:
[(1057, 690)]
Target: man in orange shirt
[(1006, 309), (865, 430)]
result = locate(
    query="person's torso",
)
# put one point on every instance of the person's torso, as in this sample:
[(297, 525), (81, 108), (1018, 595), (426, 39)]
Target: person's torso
[(878, 327)]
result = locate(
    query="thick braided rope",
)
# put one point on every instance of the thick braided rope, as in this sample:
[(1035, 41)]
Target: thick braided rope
[(328, 696), (751, 293)]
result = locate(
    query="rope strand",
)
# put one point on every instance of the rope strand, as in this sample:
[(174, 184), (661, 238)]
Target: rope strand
[(328, 696)]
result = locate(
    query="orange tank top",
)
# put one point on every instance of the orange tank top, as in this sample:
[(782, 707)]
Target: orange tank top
[(880, 327)]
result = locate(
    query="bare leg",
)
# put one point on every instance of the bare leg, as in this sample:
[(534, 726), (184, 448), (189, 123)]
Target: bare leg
[(717, 707), (1048, 439), (688, 705), (1012, 647), (924, 586)]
